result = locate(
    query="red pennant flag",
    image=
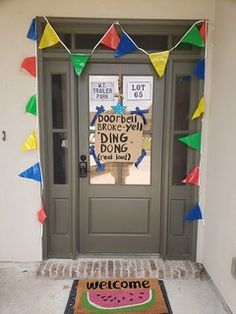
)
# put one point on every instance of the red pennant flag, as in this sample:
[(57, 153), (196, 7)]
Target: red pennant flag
[(203, 30), (29, 64), (192, 177), (41, 215), (111, 38)]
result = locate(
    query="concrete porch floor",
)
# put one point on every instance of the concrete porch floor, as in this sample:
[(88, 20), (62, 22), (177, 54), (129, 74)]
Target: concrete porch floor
[(23, 292)]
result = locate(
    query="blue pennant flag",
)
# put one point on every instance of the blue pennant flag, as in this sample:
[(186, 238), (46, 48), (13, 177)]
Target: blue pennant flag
[(32, 34), (199, 70), (194, 214), (126, 45), (33, 173)]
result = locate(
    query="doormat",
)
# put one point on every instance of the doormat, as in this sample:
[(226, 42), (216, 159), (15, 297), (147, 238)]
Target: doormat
[(118, 296)]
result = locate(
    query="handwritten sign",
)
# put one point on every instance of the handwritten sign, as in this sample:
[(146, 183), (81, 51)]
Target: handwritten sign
[(118, 138), (102, 91), (139, 90)]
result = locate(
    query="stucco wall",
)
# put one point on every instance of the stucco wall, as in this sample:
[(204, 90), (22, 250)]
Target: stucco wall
[(220, 197), (19, 199)]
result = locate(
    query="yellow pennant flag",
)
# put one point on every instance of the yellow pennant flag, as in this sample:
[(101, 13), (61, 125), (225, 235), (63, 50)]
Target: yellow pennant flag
[(159, 61), (30, 143), (200, 109), (49, 37)]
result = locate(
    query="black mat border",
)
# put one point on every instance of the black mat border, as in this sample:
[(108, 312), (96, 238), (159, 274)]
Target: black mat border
[(71, 300), (163, 289)]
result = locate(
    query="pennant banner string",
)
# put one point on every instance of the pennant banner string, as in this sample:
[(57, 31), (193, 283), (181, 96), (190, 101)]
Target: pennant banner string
[(41, 233), (206, 38), (189, 30), (97, 44), (205, 54), (37, 128), (141, 49), (194, 214), (58, 36), (117, 23), (92, 51)]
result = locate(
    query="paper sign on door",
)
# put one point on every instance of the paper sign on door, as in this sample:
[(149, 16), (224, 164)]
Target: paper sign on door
[(118, 138), (138, 91), (102, 90)]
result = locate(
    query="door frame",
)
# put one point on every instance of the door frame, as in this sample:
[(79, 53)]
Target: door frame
[(129, 191), (165, 28)]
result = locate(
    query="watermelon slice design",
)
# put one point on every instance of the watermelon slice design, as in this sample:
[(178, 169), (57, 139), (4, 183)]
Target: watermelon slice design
[(122, 301)]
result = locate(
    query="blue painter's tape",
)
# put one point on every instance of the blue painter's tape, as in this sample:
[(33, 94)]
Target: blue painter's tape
[(140, 158), (140, 113), (99, 111), (100, 167)]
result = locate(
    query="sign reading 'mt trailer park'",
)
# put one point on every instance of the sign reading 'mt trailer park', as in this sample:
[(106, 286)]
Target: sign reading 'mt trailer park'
[(118, 138), (102, 91)]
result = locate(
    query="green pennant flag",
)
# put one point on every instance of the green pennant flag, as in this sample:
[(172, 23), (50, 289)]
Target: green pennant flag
[(31, 106), (79, 61), (193, 141), (193, 37)]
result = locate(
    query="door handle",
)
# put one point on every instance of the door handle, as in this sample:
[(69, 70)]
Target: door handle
[(83, 167)]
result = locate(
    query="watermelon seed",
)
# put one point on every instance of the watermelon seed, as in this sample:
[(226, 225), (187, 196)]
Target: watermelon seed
[(118, 301), (103, 297), (98, 295), (123, 298), (140, 297), (141, 292), (111, 300), (131, 293), (115, 298), (131, 299)]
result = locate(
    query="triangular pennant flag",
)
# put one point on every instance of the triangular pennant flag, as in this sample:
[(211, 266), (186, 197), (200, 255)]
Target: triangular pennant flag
[(126, 45), (29, 64), (200, 109), (33, 173), (192, 177), (111, 38), (194, 214), (32, 34), (31, 106), (79, 61), (199, 69), (30, 143), (193, 141), (193, 37), (41, 215), (159, 61), (203, 30), (49, 37)]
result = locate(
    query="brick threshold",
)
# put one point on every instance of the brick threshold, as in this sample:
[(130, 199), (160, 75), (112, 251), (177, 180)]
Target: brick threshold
[(84, 268)]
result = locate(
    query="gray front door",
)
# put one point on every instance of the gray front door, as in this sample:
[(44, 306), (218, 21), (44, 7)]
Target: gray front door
[(120, 207)]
